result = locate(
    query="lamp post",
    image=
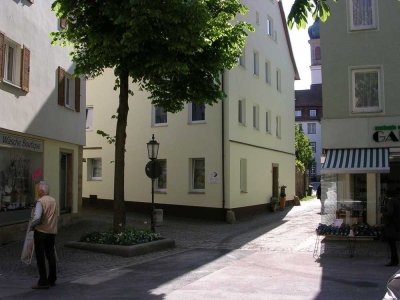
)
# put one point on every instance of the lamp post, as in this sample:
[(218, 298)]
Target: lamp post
[(152, 170)]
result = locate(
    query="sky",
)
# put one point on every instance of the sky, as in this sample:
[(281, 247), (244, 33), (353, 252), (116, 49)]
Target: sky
[(301, 49)]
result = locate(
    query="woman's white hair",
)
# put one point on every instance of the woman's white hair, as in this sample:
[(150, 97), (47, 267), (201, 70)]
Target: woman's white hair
[(44, 187)]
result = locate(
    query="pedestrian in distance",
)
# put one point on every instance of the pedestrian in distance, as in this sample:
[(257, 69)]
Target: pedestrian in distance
[(44, 224), (391, 231), (321, 200)]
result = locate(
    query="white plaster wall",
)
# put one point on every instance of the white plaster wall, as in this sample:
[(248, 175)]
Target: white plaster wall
[(243, 84), (37, 111), (260, 147), (337, 133), (259, 175)]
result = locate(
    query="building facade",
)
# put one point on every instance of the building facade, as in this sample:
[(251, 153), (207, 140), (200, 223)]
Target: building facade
[(308, 103), (42, 123), (361, 109), (233, 155)]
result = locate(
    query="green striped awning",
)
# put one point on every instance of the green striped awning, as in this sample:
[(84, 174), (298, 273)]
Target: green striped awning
[(361, 160)]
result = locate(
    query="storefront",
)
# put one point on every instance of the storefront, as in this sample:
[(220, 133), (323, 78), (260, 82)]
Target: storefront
[(356, 182), (21, 168)]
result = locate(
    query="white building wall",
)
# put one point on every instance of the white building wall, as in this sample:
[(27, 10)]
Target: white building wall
[(32, 112), (36, 114)]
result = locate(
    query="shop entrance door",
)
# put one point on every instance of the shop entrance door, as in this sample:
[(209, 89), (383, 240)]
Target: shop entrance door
[(65, 182), (275, 180)]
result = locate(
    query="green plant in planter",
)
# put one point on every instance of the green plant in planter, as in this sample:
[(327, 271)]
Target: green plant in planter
[(273, 203), (127, 238)]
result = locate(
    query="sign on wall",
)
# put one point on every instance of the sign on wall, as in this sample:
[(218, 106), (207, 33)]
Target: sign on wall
[(213, 177), (20, 142), (386, 133)]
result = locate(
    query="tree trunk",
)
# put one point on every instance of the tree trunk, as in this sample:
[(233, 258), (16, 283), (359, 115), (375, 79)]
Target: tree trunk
[(120, 141)]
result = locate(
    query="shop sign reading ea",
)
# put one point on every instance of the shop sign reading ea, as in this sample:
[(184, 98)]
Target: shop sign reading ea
[(386, 133)]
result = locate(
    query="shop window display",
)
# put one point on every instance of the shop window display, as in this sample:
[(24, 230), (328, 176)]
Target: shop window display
[(20, 171)]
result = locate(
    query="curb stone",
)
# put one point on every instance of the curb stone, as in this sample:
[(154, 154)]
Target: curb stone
[(126, 251)]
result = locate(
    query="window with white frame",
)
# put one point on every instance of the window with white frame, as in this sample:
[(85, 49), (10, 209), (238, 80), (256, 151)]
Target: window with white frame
[(89, 118), (256, 117), (159, 116), (313, 168), (68, 90), (268, 72), (242, 111), (94, 169), (278, 80), (269, 28), (312, 112), (297, 113), (268, 122), (161, 181), (362, 14), (243, 175), (313, 146), (366, 90), (197, 113), (198, 174), (256, 67), (278, 126), (14, 63), (311, 128)]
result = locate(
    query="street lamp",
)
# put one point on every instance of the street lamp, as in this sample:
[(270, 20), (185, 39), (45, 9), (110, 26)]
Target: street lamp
[(152, 171), (152, 148)]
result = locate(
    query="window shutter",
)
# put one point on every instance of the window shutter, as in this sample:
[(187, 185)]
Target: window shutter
[(61, 86), (2, 47), (77, 94), (25, 69)]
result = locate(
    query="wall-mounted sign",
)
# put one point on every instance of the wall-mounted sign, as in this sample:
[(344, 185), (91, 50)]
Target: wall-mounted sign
[(213, 177), (20, 142), (386, 133)]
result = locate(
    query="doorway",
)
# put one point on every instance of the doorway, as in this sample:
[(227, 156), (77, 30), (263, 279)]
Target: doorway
[(65, 182), (275, 180)]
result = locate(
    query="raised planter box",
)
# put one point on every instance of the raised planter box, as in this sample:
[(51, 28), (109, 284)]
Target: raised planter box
[(126, 251)]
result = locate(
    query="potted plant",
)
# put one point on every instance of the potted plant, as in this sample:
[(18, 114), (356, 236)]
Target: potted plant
[(273, 203), (282, 198)]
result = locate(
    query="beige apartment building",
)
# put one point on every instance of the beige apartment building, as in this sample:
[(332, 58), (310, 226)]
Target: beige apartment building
[(232, 156)]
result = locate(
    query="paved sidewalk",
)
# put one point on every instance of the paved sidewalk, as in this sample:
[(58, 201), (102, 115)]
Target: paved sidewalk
[(270, 248)]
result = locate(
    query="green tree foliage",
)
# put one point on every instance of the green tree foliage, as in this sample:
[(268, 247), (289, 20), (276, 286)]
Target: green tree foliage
[(302, 8), (175, 49), (304, 154)]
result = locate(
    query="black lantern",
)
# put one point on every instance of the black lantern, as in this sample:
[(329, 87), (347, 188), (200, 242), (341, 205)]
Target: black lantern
[(152, 148)]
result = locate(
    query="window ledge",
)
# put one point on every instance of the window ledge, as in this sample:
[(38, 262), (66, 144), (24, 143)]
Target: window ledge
[(5, 81), (160, 192), (160, 125), (95, 179), (197, 192), (196, 122)]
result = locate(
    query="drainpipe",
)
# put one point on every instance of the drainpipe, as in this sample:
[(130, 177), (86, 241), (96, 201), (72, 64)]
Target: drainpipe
[(223, 143)]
